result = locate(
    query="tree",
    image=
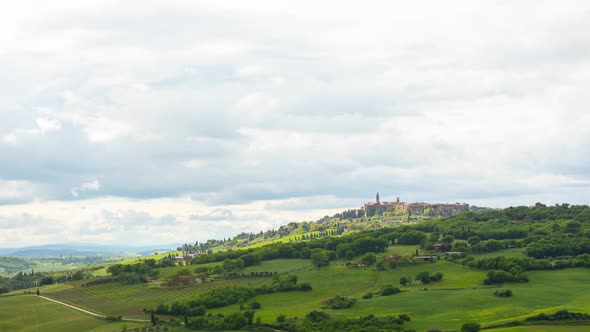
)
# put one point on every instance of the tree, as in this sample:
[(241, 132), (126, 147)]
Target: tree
[(38, 292), (249, 316), (412, 237), (424, 277), (235, 321), (473, 240), (319, 259), (369, 258), (448, 239), (153, 317)]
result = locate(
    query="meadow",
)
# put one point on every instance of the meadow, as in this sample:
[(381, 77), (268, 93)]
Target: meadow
[(460, 297), (130, 300), (32, 314), (545, 328)]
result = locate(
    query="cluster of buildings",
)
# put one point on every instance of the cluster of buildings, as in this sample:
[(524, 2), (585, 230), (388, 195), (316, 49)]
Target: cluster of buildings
[(187, 257), (436, 209)]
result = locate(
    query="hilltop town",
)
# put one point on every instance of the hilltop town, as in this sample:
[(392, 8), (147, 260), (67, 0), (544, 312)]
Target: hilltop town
[(421, 208)]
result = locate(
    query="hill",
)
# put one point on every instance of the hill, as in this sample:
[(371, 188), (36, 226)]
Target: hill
[(372, 215), (520, 265)]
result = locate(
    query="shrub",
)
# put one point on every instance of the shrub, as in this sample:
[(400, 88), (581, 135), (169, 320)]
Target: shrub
[(404, 281), (470, 327), (368, 295), (339, 302), (389, 290), (405, 317), (305, 286), (503, 293), (255, 305), (281, 318), (317, 316)]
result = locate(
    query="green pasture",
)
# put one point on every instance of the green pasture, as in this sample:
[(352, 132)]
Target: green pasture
[(545, 328), (280, 265), (404, 250), (508, 253), (458, 298), (28, 313), (130, 300)]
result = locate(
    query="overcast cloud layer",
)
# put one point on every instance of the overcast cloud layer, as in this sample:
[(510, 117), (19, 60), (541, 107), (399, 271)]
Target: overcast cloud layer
[(181, 121)]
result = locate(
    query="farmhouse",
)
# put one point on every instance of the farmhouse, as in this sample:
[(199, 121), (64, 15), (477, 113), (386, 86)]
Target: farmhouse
[(432, 258)]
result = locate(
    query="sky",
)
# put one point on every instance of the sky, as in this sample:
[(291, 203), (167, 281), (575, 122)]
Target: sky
[(152, 122)]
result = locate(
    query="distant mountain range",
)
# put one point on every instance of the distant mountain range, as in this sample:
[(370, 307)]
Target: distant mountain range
[(79, 250)]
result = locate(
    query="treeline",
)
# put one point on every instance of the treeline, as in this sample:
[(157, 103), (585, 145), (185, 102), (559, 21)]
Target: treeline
[(313, 321), (518, 265), (560, 315), (556, 231), (23, 280), (321, 321), (138, 272), (223, 296), (334, 247)]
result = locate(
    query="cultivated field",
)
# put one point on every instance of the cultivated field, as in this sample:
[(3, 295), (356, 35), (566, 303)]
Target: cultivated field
[(28, 313), (130, 300), (460, 297)]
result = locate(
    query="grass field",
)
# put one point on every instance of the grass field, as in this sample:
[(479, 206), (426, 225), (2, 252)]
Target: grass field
[(545, 328), (129, 300), (458, 298), (509, 253), (30, 313)]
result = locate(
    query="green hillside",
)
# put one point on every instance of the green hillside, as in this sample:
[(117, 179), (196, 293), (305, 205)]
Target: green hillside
[(29, 313), (495, 268)]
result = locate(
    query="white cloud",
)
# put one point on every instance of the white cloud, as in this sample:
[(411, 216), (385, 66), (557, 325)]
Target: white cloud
[(292, 104), (87, 186), (194, 163), (12, 191), (47, 125)]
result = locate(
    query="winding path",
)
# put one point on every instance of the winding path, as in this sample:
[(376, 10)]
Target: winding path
[(92, 313)]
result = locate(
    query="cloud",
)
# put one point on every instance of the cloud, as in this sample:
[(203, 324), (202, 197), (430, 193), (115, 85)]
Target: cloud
[(217, 214), (88, 186), (299, 107), (44, 125), (16, 191)]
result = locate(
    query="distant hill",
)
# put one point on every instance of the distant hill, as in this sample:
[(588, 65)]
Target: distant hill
[(84, 250)]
